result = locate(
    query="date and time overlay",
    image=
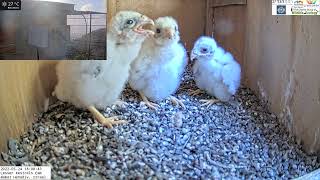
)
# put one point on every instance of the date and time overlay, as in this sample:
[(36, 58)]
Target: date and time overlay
[(25, 172)]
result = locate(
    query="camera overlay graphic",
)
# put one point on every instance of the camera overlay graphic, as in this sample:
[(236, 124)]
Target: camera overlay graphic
[(52, 29)]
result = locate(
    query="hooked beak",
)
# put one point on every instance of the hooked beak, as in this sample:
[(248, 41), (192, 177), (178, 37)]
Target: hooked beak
[(193, 56), (169, 33), (139, 28)]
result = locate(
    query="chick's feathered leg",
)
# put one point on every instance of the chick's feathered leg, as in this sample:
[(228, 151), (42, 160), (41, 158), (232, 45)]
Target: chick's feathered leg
[(108, 122), (151, 105), (209, 102), (176, 101)]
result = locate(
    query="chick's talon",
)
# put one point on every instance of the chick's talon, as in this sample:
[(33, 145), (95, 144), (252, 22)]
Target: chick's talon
[(108, 122), (195, 93), (177, 101), (151, 105), (209, 102)]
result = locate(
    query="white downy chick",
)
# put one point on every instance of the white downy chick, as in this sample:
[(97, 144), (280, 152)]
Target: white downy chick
[(91, 84), (157, 71), (215, 71)]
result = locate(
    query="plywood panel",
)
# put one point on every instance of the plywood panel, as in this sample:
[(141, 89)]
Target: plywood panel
[(209, 18), (24, 86), (230, 29), (282, 65), (220, 3), (189, 13)]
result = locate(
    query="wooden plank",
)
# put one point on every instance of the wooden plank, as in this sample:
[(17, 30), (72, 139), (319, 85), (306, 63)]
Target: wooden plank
[(24, 87), (314, 175), (282, 65), (209, 18), (111, 9), (219, 3), (229, 29)]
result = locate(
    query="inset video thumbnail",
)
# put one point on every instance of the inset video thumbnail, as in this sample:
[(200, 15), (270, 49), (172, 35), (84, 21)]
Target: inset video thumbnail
[(53, 30)]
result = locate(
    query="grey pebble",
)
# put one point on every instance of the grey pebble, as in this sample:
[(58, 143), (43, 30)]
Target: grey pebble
[(178, 119), (80, 172), (241, 140)]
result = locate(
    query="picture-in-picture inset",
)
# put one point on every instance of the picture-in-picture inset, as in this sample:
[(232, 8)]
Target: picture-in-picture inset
[(54, 30)]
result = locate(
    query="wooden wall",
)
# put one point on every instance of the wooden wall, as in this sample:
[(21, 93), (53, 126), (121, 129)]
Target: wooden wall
[(25, 85), (282, 65), (191, 14), (226, 22)]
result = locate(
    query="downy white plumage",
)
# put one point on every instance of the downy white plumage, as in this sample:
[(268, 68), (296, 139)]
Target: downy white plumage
[(215, 70), (157, 71), (92, 84)]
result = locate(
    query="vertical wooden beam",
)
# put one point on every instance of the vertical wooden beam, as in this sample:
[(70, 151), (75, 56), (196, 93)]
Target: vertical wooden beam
[(209, 31), (226, 23), (219, 3), (207, 28), (111, 9)]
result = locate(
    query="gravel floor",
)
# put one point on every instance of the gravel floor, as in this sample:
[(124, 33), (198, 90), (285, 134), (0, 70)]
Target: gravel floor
[(240, 140)]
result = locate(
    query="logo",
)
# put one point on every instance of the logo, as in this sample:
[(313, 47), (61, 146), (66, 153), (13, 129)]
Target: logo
[(312, 1), (281, 9), (296, 7)]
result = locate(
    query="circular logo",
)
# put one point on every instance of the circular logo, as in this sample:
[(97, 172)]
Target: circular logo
[(281, 10)]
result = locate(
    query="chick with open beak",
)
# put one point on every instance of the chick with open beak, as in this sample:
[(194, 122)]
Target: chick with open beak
[(129, 26), (139, 27), (96, 84)]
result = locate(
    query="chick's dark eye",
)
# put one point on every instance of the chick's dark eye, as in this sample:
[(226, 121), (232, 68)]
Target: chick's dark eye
[(204, 50), (130, 21), (158, 31)]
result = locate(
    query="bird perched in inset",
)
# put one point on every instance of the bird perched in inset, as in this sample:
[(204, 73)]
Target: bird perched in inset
[(96, 84), (157, 71), (215, 70)]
